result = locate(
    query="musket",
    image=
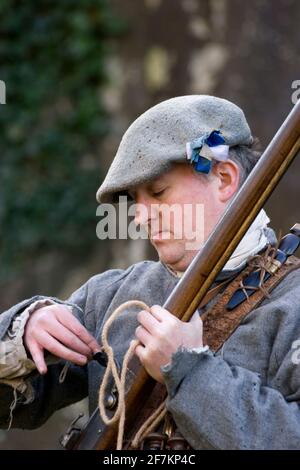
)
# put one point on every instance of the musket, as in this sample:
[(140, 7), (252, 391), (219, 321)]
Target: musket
[(197, 279)]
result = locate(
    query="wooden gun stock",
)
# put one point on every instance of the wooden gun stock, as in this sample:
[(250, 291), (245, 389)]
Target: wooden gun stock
[(196, 281)]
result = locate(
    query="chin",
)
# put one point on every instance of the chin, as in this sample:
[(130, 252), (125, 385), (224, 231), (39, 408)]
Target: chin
[(174, 254), (178, 264), (174, 259)]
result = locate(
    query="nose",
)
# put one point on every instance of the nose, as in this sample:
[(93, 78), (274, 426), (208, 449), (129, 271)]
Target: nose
[(145, 210), (142, 213)]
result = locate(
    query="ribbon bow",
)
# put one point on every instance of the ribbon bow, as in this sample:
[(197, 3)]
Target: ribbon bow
[(200, 152)]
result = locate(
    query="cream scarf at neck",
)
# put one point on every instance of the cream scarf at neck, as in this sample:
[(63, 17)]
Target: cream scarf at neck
[(253, 241)]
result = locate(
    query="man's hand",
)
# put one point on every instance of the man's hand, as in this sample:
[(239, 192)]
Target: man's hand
[(161, 334), (56, 329)]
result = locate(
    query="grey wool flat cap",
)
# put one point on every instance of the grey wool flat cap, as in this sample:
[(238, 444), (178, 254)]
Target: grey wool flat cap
[(158, 138)]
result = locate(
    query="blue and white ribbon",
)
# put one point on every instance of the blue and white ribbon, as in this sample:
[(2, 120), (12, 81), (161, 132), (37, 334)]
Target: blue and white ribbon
[(200, 152)]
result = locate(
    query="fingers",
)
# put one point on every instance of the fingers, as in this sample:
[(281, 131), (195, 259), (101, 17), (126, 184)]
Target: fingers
[(55, 347), (143, 335), (54, 328), (69, 339), (74, 325), (148, 321), (159, 312), (140, 352), (162, 315), (37, 355), (156, 321)]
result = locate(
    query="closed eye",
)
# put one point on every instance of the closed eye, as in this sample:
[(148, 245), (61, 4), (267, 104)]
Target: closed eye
[(158, 193)]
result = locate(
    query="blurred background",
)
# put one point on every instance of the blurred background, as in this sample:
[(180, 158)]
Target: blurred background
[(77, 73)]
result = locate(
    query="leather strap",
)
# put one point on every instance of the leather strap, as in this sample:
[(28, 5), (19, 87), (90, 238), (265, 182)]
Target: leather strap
[(213, 292), (219, 323), (268, 264)]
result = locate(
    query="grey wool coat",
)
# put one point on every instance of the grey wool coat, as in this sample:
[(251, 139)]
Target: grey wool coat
[(245, 397)]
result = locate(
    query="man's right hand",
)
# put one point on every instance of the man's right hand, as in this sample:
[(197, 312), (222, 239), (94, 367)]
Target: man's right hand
[(57, 330)]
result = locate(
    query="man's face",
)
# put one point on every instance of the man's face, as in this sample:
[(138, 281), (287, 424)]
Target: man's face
[(197, 206)]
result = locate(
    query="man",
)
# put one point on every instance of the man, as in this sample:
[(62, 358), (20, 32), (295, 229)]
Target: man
[(187, 150)]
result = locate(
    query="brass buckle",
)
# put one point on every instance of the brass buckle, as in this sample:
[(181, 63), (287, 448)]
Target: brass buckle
[(272, 265)]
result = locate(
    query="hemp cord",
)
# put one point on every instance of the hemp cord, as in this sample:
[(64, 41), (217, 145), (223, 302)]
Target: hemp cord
[(120, 379)]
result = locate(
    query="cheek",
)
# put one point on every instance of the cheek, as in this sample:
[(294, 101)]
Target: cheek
[(199, 215), (196, 201)]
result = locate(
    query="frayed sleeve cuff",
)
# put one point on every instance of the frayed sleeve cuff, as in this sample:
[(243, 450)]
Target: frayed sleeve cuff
[(14, 362), (182, 363)]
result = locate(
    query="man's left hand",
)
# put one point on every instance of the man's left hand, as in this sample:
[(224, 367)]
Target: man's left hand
[(161, 334)]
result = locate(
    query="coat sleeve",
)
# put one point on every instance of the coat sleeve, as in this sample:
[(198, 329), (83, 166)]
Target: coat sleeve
[(31, 406), (217, 404), (27, 402)]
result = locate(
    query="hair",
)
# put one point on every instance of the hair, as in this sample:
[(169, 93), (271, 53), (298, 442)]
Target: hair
[(245, 156)]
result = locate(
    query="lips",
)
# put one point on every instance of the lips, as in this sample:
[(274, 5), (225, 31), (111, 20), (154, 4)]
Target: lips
[(164, 235)]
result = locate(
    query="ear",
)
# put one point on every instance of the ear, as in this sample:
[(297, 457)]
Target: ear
[(228, 178)]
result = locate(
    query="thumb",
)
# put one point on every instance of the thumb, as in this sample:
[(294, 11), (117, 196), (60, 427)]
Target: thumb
[(196, 318)]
